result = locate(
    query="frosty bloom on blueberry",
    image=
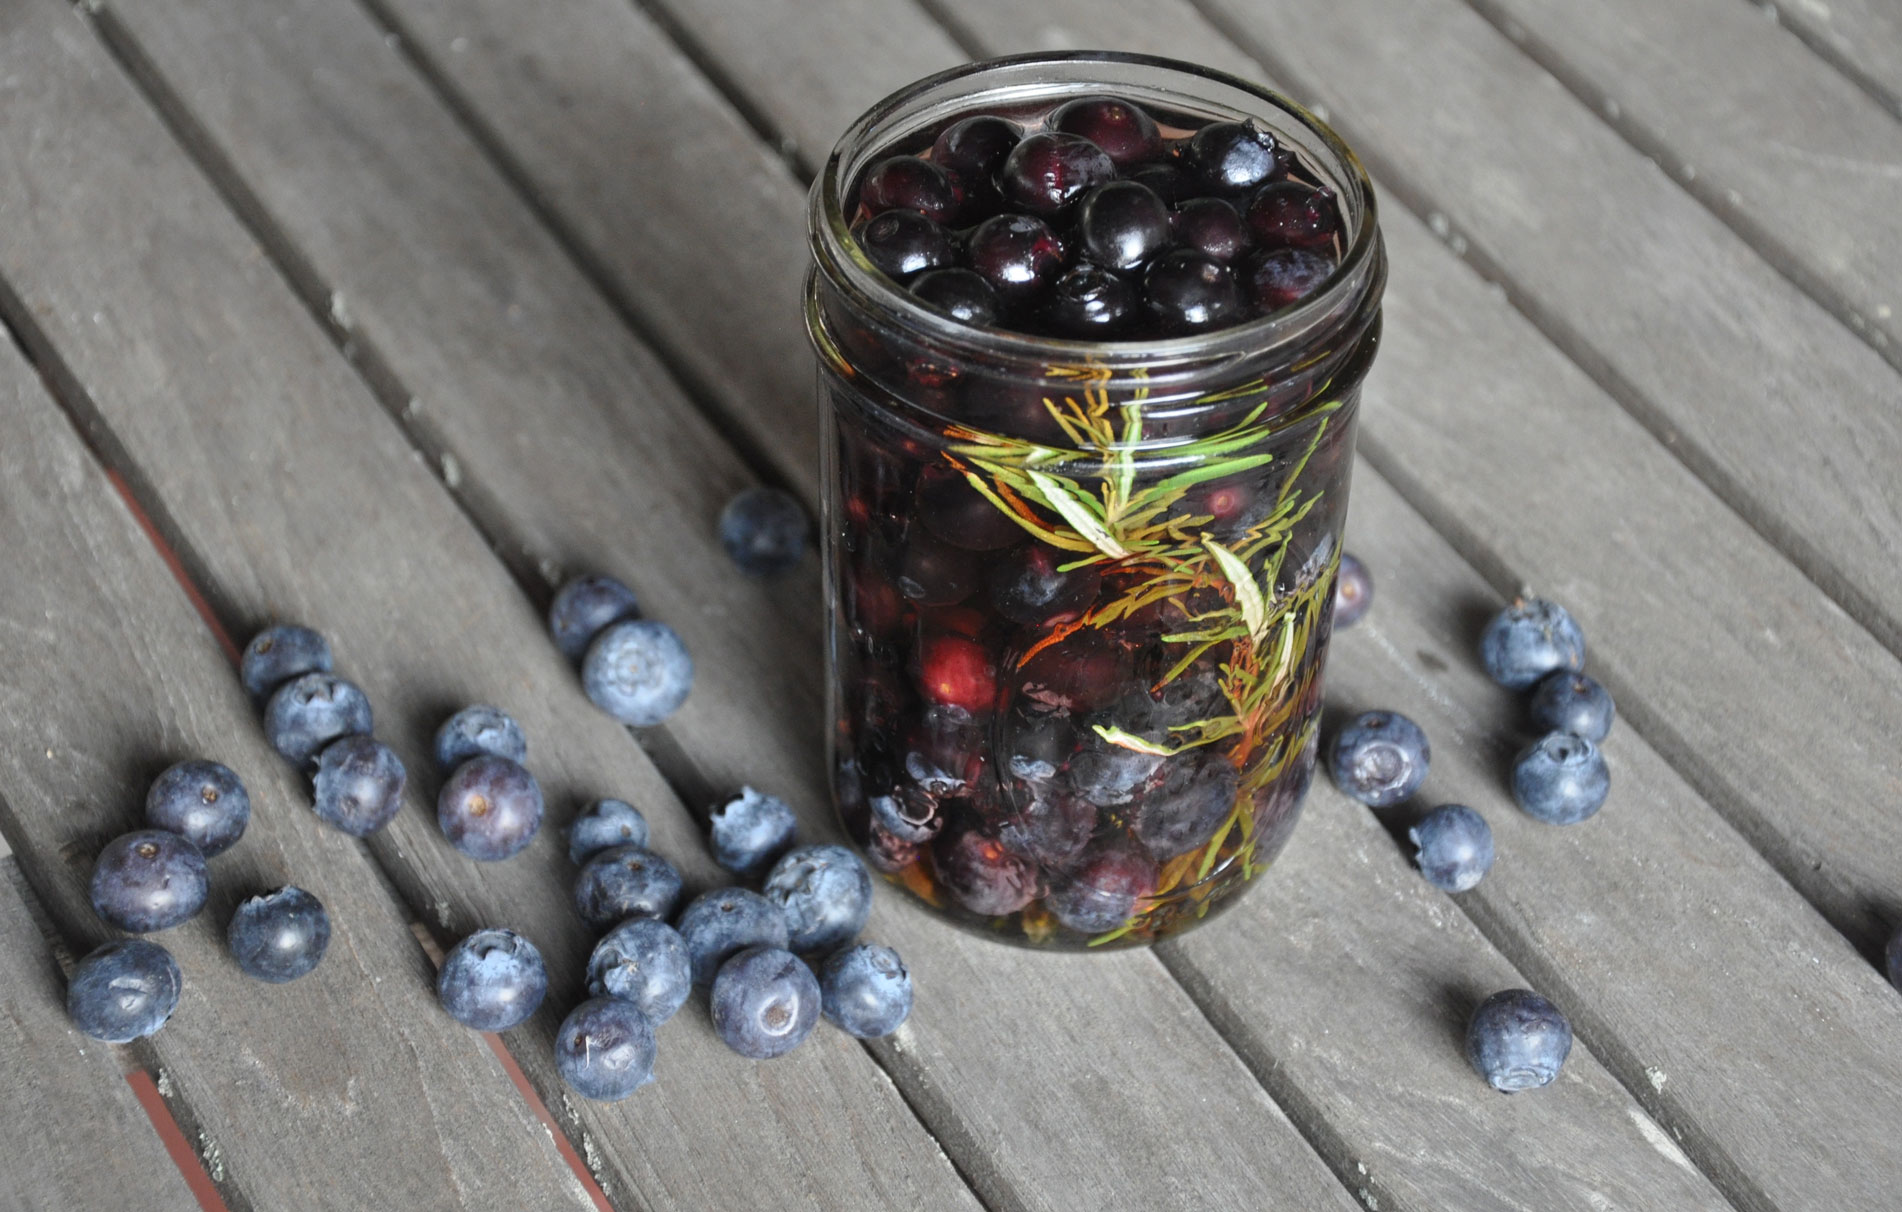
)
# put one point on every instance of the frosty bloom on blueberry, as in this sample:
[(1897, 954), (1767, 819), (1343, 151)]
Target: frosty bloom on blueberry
[(492, 980), (200, 800), (124, 990), (1380, 758), (1517, 1040)]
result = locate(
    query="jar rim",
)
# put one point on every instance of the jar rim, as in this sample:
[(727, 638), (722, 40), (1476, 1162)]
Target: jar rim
[(838, 254)]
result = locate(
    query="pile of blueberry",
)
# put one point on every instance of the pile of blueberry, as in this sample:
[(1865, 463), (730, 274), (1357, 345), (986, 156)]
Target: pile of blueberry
[(1096, 221)]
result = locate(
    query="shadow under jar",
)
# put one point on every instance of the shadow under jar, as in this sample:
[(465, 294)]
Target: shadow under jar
[(1081, 564)]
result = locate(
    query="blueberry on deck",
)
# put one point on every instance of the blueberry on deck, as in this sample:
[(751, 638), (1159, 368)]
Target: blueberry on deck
[(1353, 592), (1517, 1040), (643, 961), (310, 711), (1453, 846), (148, 880), (200, 800), (826, 894), (490, 808), (278, 654), (1561, 779), (1529, 639), (279, 936), (765, 1002), (492, 980), (764, 531), (725, 921), (639, 672), (1565, 701), (123, 990), (749, 831), (865, 990), (1380, 758), (605, 1049), (584, 607), (359, 785), (476, 730), (624, 882), (604, 825)]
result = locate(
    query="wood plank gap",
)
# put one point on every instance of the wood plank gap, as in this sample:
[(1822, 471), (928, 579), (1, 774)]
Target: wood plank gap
[(1882, 622), (955, 28), (190, 1167), (1797, 27)]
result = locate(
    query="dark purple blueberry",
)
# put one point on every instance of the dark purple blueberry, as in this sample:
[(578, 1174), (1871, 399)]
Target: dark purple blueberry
[(907, 814), (1380, 758), (764, 531), (1109, 775), (1561, 779), (477, 730), (1293, 214), (934, 573), (1029, 586), (490, 808), (1051, 830), (749, 831), (123, 990), (1081, 674), (1529, 639), (765, 1002), (200, 800), (310, 711), (718, 925), (1167, 180), (605, 1049), (1089, 303), (627, 881), (1210, 226), (604, 825), (1353, 592), (957, 513), (1565, 701), (1038, 743), (1286, 276), (584, 608), (1016, 255), (1196, 798), (492, 980), (359, 785), (639, 672), (1009, 408), (1049, 171), (961, 294), (865, 990), (945, 749), (975, 147), (1127, 134), (1892, 959), (1184, 292), (279, 936), (277, 654), (1105, 892), (1234, 157), (889, 855), (1122, 225), (901, 243), (645, 962), (1453, 846), (825, 893), (1517, 1040), (910, 183), (981, 874), (148, 880)]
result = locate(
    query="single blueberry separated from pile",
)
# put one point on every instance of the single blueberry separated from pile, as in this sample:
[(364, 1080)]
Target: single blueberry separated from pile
[(490, 808), (492, 980), (764, 531), (639, 672), (604, 825), (765, 1002), (605, 1049), (200, 800), (148, 880), (1453, 846), (865, 990), (749, 831), (720, 923), (310, 711), (123, 990), (1528, 640), (584, 608), (1353, 592), (643, 961), (1380, 758), (1560, 779), (825, 892), (1565, 701), (624, 882), (477, 730), (359, 785), (279, 936), (278, 654), (1517, 1040)]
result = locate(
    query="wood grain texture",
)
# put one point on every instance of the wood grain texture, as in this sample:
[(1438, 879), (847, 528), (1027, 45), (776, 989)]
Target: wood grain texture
[(110, 678), (1862, 38), (994, 1097), (73, 1132), (300, 498)]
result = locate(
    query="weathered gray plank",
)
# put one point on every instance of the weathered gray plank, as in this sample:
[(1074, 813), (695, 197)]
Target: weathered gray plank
[(348, 1088), (990, 1082), (73, 1133), (1862, 38)]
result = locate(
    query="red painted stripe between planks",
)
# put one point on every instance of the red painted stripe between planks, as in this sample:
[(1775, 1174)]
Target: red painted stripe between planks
[(183, 1155), (175, 564)]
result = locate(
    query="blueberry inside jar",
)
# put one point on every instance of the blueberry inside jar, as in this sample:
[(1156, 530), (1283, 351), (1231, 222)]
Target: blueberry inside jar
[(1088, 415)]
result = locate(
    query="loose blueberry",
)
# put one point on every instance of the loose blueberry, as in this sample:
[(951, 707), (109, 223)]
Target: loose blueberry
[(604, 825), (1286, 276), (1529, 639), (975, 148), (1564, 701), (1453, 846), (1517, 1040), (765, 1002), (960, 293), (1184, 292), (605, 1049), (203, 801), (982, 874), (721, 923), (1380, 758), (1353, 592), (1210, 226), (1234, 157), (645, 962), (627, 881), (826, 894), (1122, 225), (1293, 214), (1016, 255), (277, 654), (123, 990), (764, 531), (1105, 892), (492, 980), (639, 672), (1089, 303), (864, 990), (279, 936), (749, 831), (1127, 135), (1892, 959), (958, 672), (1049, 171), (311, 710), (490, 808), (1560, 779), (148, 880), (910, 183), (1030, 587), (477, 730), (359, 785), (584, 608), (901, 243)]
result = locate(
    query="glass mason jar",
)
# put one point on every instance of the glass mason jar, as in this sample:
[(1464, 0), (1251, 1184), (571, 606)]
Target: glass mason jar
[(1079, 593)]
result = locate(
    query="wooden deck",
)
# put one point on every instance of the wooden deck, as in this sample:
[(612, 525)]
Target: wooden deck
[(386, 315)]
